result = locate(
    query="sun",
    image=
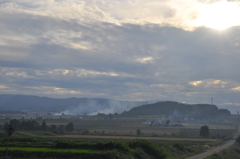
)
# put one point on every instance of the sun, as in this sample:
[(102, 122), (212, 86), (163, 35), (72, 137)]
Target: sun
[(220, 15)]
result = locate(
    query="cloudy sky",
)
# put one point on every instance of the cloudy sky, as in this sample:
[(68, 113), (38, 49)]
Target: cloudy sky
[(179, 50)]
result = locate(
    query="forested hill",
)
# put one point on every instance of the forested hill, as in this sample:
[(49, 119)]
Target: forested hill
[(178, 110)]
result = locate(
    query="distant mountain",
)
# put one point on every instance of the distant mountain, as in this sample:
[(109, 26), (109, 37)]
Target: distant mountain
[(30, 103), (175, 110)]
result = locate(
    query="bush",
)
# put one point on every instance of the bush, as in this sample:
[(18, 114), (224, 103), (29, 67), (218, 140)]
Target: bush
[(85, 132), (65, 144), (112, 145), (238, 139), (21, 139), (99, 145), (69, 127), (154, 135), (148, 147), (179, 146)]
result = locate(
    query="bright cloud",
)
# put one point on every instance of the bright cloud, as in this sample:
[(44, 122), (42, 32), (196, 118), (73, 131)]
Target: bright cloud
[(128, 49), (209, 83), (236, 89), (145, 60), (62, 91), (219, 15), (14, 72), (3, 87), (185, 14), (80, 73), (195, 83)]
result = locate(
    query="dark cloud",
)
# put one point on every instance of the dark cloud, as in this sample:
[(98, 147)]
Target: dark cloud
[(62, 57)]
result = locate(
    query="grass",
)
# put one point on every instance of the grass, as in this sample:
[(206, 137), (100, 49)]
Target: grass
[(233, 152), (128, 138), (105, 137), (46, 149)]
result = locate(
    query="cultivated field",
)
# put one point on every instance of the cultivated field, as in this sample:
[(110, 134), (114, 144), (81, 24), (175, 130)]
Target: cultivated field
[(180, 142)]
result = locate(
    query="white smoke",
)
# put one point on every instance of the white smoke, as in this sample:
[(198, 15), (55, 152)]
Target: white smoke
[(95, 106)]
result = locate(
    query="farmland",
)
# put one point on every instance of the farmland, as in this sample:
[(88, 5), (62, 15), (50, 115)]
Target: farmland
[(125, 127), (96, 129)]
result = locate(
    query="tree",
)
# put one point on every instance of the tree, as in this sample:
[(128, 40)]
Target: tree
[(85, 132), (5, 126), (138, 132), (53, 129), (61, 129), (69, 127), (31, 125), (44, 125), (204, 131), (15, 123), (168, 122)]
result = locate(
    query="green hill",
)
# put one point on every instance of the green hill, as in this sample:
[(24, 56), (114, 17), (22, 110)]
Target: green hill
[(178, 110)]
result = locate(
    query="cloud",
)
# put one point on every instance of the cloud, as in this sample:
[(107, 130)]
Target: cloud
[(145, 60), (186, 14), (195, 83), (129, 50), (236, 89), (55, 90), (3, 87), (209, 83), (80, 73)]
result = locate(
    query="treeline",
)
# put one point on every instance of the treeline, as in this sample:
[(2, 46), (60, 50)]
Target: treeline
[(33, 125), (177, 110)]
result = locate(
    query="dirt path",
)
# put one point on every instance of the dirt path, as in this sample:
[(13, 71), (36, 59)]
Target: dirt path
[(218, 149)]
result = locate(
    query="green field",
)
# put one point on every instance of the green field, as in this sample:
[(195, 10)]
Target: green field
[(45, 149)]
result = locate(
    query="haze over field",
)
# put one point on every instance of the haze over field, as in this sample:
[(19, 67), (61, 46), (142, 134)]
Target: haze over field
[(134, 50), (69, 106)]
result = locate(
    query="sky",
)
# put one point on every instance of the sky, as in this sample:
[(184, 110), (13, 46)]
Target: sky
[(134, 50)]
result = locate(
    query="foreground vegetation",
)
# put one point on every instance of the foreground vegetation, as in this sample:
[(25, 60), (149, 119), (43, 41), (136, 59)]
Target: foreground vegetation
[(29, 147), (230, 153), (72, 148), (233, 152)]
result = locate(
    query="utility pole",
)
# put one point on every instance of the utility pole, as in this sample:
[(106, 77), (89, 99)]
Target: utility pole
[(9, 130)]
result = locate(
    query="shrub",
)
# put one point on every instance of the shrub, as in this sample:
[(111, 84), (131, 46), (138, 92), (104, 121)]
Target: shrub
[(21, 139), (85, 132), (148, 147), (69, 127), (238, 139), (65, 144), (99, 145), (179, 146), (154, 135), (112, 145)]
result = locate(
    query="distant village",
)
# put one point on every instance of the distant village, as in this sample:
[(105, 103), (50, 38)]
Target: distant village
[(163, 123)]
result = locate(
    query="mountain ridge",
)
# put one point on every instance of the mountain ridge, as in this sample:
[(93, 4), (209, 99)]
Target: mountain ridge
[(73, 105)]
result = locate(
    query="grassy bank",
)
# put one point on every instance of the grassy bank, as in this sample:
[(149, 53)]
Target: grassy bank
[(233, 152)]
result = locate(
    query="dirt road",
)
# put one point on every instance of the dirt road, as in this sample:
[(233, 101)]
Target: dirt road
[(216, 150)]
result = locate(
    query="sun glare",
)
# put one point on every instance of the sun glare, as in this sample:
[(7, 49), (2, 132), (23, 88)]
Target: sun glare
[(220, 15)]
